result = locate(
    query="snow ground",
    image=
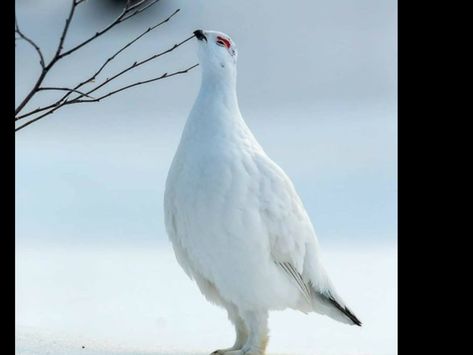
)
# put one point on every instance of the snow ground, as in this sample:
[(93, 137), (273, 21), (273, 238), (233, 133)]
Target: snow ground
[(126, 300)]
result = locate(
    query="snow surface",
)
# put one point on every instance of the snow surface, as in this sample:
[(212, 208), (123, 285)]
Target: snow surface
[(102, 299)]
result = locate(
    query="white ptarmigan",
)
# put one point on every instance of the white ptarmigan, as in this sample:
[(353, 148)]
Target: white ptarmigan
[(236, 223)]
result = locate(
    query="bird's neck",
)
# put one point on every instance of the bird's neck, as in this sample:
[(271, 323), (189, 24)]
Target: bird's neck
[(218, 90), (216, 114), (217, 101)]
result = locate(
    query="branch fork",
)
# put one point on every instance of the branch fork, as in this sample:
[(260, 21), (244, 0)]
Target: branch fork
[(75, 94)]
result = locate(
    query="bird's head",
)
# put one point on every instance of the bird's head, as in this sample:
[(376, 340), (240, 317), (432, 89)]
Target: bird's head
[(217, 53)]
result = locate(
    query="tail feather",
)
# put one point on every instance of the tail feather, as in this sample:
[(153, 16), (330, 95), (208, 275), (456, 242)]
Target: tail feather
[(345, 311), (327, 303)]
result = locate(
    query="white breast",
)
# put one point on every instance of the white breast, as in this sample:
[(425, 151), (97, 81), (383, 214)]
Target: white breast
[(213, 216)]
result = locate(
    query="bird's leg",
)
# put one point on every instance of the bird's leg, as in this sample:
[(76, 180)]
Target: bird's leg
[(257, 324), (241, 334)]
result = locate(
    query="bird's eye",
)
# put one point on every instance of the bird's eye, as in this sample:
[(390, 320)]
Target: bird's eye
[(223, 42)]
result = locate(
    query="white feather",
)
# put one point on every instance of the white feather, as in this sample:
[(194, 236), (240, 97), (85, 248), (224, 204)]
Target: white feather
[(235, 220)]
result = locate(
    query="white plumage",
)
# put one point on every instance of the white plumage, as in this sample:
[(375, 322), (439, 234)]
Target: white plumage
[(235, 220)]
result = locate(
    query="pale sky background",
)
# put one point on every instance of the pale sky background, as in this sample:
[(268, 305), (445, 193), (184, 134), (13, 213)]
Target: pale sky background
[(317, 85)]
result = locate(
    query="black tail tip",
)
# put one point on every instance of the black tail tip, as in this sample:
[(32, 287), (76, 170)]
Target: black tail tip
[(357, 322), (345, 310), (352, 317)]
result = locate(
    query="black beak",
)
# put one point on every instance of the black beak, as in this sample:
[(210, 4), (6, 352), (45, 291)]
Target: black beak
[(200, 35)]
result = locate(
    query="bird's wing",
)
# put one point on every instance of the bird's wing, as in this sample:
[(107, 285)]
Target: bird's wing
[(303, 286), (294, 245), (291, 235)]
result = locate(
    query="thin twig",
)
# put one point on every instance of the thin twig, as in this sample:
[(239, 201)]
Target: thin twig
[(164, 76), (121, 18), (60, 54), (130, 43), (101, 68), (31, 42), (63, 89), (138, 10), (53, 61), (128, 12), (137, 64), (65, 29)]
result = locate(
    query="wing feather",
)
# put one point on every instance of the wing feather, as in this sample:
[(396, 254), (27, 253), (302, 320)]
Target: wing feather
[(297, 277), (293, 242)]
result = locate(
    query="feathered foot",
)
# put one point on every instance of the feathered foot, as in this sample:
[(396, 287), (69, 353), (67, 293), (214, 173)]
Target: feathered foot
[(241, 333)]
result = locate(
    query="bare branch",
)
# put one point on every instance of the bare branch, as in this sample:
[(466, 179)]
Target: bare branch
[(63, 89), (41, 109), (32, 91), (165, 75), (129, 7), (83, 96), (93, 77), (57, 56), (65, 29), (31, 42), (137, 64), (138, 10), (76, 101), (121, 18)]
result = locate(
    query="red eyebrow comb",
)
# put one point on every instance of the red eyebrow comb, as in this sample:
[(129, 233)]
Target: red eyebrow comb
[(225, 41)]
